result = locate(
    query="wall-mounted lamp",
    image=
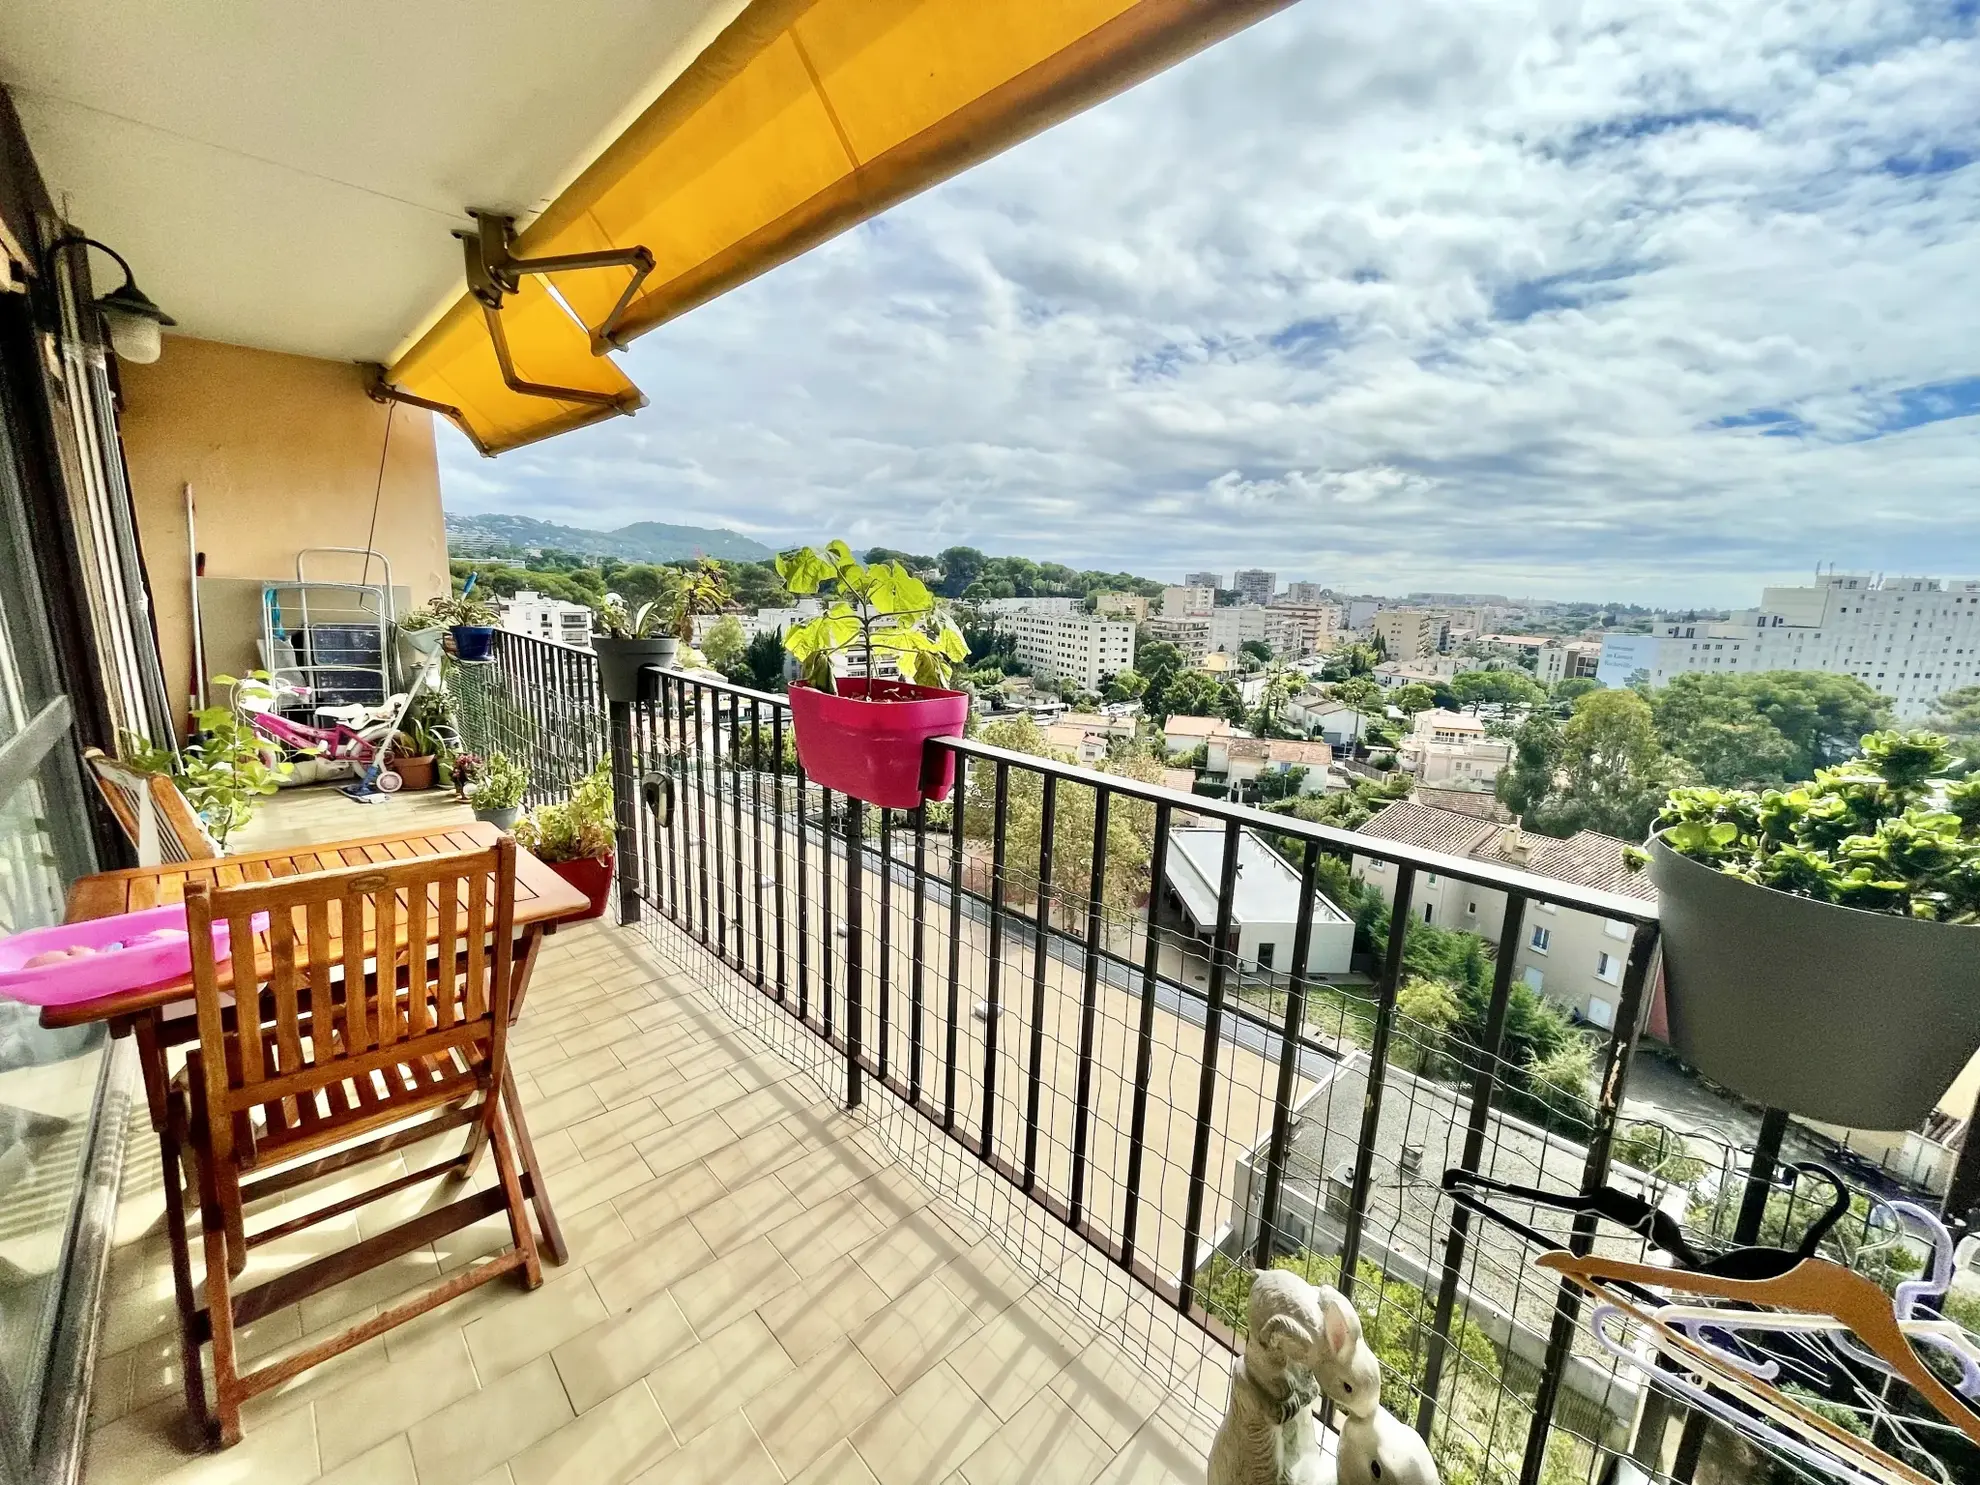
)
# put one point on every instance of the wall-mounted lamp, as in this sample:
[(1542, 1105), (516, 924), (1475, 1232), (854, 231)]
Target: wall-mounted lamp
[(133, 321)]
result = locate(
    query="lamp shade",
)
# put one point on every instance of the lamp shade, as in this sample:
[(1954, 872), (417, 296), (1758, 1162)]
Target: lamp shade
[(134, 323)]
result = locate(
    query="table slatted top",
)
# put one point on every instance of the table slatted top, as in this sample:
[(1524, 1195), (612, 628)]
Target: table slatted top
[(542, 897)]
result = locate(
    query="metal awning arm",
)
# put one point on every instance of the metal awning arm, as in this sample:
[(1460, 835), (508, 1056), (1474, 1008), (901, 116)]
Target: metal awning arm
[(494, 271)]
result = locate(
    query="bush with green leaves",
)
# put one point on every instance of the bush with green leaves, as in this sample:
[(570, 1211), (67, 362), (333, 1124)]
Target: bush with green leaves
[(580, 828), (877, 608), (226, 770), (1885, 832), (502, 784)]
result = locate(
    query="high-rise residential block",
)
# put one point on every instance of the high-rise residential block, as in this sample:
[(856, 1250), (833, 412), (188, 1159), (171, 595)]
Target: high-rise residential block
[(1195, 598), (1076, 648), (1210, 580), (1305, 595), (1255, 584), (1408, 633)]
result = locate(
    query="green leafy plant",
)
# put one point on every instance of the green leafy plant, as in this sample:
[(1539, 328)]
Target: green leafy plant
[(1884, 832), (501, 784), (468, 610), (227, 768), (417, 739), (618, 619), (702, 590), (576, 829), (876, 608), (422, 619)]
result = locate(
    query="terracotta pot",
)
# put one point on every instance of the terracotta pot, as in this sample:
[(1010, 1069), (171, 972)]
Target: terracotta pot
[(415, 772), (1850, 1017), (593, 877), (867, 740)]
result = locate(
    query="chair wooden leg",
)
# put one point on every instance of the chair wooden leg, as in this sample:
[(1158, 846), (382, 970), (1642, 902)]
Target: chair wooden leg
[(173, 1149), (539, 1192), (219, 1307), (519, 1226)]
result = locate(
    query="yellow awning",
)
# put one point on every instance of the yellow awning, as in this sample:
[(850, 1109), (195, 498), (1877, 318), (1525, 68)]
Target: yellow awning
[(803, 118)]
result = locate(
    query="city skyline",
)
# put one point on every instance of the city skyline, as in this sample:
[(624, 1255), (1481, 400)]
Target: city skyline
[(1656, 303)]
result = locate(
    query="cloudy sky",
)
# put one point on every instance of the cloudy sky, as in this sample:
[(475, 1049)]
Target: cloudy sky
[(1643, 299)]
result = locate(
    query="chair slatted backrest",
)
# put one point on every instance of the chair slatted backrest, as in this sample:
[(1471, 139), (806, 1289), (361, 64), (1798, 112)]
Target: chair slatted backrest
[(159, 820), (433, 936)]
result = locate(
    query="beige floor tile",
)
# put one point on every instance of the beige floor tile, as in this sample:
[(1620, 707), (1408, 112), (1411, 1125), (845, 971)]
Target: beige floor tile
[(733, 1285), (666, 1199), (647, 1265), (618, 1351), (531, 1325), (986, 1279), (701, 1384), (619, 1440), (573, 1072), (592, 1235), (389, 1463), (598, 1178), (754, 1208), (823, 1308), (1156, 1455), (625, 1125), (1014, 1357), (1114, 1393), (837, 1167), (154, 1449), (470, 1437), (1045, 1444), (548, 1113), (914, 1332), (826, 1400), (924, 1434), (908, 1251), (832, 1228), (761, 1153), (762, 1108), (838, 1465), (110, 1394), (389, 1399), (727, 1453), (684, 1142)]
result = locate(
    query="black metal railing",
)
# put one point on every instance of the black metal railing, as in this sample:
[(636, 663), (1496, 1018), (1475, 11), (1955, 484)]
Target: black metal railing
[(1010, 971), (538, 702)]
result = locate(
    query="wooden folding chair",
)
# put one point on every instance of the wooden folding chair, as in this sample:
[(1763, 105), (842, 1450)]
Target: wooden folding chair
[(160, 821), (382, 999)]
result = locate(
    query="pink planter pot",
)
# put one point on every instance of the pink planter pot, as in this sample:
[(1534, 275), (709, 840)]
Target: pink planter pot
[(872, 749)]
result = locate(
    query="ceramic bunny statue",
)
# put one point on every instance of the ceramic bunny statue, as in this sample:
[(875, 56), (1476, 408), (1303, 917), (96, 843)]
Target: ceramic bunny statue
[(1267, 1436), (1376, 1447)]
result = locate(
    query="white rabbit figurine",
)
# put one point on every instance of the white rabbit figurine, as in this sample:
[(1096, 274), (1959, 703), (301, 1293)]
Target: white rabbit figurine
[(1267, 1436), (1376, 1447)]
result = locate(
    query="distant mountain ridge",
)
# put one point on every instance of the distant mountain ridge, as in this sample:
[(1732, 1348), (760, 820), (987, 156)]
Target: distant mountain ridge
[(494, 535)]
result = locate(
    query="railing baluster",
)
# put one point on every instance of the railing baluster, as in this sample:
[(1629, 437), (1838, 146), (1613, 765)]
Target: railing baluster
[(1484, 1078), (1378, 1075), (677, 862), (700, 809), (1089, 1003), (736, 833), (712, 744), (1035, 1073), (777, 857), (803, 906), (1291, 1028), (625, 819), (917, 948), (884, 955), (993, 971), (1594, 1174), (1151, 954), (825, 849), (855, 943), (756, 827), (1206, 1093), (956, 858)]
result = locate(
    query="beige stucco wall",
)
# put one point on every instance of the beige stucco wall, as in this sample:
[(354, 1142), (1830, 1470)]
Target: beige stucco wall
[(282, 452)]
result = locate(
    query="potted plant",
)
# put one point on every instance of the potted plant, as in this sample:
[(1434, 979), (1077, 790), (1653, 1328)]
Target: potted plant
[(863, 734), (498, 789), (1822, 943), (415, 754), (575, 837), (629, 639), (462, 767), (471, 621), (424, 628)]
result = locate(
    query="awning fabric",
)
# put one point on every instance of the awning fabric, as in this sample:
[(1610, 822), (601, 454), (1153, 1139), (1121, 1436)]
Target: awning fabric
[(801, 119)]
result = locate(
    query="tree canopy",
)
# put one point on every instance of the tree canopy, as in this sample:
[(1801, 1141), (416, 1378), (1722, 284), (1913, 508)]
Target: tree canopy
[(1496, 688), (1764, 729)]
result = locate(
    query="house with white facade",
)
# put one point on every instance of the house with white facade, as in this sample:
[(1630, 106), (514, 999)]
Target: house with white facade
[(1265, 906), (1452, 750), (1573, 958), (1187, 734), (1318, 714), (1086, 735), (1244, 760), (553, 619)]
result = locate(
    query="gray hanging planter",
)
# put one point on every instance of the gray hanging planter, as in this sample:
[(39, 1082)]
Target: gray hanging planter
[(1849, 1017), (621, 660)]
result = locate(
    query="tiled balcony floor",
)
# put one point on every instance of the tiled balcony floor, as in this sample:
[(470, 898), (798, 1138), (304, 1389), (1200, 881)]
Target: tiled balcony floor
[(757, 1291)]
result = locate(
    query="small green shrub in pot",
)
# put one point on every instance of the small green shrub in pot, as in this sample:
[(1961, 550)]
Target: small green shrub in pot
[(228, 767), (574, 837), (498, 789), (1819, 941)]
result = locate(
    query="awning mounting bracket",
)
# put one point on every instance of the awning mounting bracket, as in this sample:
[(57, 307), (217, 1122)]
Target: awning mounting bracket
[(378, 389)]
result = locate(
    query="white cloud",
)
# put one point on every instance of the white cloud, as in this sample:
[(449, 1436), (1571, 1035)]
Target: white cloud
[(1629, 299)]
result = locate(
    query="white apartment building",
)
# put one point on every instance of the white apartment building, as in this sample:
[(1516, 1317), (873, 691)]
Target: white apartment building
[(1121, 606), (1191, 635), (1450, 750), (1255, 584), (538, 617), (1411, 633), (1211, 580), (1909, 638), (1303, 628), (1070, 647), (1029, 605), (1233, 627), (1575, 959), (1361, 612), (1305, 595), (1189, 600)]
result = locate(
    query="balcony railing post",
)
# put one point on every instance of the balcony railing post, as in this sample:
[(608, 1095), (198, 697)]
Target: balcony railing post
[(756, 830), (1040, 951), (1378, 1074), (736, 831), (625, 821), (993, 970), (917, 950), (1221, 957), (694, 725), (803, 903), (855, 943), (1594, 1174), (1484, 1077), (777, 838), (1144, 1045), (1291, 1029), (957, 855), (1089, 1003), (883, 967)]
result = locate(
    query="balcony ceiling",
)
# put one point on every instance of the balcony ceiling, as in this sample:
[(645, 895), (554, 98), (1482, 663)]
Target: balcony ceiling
[(287, 176)]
